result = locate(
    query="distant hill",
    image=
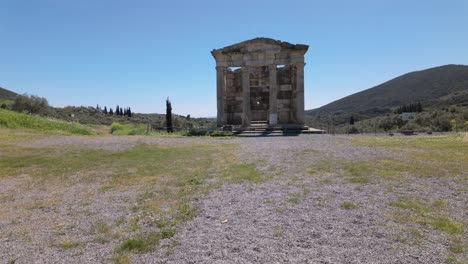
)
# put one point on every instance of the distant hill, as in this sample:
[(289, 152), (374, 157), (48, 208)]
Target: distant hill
[(6, 94), (434, 87)]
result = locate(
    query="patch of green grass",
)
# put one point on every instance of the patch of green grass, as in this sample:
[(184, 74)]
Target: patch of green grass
[(406, 203), (454, 260), (294, 200), (446, 225), (140, 243), (349, 205), (278, 231), (457, 249), (121, 259), (357, 168), (421, 156), (185, 213), (68, 244), (129, 129), (359, 180), (243, 172), (323, 167), (100, 228), (14, 120), (421, 211), (167, 233), (101, 240)]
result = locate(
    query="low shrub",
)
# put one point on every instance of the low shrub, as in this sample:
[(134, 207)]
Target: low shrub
[(221, 134), (196, 132), (128, 129)]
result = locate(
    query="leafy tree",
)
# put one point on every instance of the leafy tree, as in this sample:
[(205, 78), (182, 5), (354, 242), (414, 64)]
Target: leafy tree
[(353, 130), (3, 106), (169, 116), (31, 104)]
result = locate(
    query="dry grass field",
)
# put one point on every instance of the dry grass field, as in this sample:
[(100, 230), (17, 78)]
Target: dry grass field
[(305, 199)]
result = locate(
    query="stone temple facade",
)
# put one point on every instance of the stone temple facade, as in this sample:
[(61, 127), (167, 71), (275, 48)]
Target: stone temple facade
[(260, 81)]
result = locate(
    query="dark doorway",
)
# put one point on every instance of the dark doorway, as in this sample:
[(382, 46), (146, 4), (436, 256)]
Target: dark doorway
[(259, 103)]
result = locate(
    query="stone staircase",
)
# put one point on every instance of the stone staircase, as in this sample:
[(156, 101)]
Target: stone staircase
[(263, 129)]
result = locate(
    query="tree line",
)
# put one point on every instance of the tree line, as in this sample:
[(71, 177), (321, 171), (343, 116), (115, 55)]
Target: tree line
[(409, 108), (118, 111)]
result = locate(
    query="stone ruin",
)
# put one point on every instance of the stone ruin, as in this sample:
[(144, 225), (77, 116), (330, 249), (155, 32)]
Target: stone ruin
[(260, 81)]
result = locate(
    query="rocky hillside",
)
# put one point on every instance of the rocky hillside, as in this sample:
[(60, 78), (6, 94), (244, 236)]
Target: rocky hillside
[(435, 87)]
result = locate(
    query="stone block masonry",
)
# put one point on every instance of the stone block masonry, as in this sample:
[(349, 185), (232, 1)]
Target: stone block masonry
[(260, 80)]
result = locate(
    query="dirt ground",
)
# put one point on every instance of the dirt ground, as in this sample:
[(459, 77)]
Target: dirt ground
[(295, 216)]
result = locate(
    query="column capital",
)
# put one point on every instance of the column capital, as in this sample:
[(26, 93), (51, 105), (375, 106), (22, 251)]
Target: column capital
[(221, 68)]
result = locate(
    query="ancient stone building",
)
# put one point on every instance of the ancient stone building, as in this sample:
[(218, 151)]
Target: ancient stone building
[(260, 81)]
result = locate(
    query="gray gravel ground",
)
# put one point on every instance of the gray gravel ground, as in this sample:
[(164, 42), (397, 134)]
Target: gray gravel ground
[(292, 218)]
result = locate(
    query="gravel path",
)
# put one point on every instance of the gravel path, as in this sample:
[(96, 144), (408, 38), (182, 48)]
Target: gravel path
[(244, 223), (292, 218)]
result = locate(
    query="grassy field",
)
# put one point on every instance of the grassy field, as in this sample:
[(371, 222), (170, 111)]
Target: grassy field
[(411, 158), (162, 181), (129, 200)]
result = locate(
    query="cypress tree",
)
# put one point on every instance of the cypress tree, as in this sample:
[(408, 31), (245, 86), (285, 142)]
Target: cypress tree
[(169, 116), (105, 110), (129, 112), (351, 120), (111, 112), (419, 107)]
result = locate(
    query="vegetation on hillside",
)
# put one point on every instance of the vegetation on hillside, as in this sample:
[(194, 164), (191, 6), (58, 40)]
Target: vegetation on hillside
[(440, 95), (6, 94), (14, 120), (32, 104)]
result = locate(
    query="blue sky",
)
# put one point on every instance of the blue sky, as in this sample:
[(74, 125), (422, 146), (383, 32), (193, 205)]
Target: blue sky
[(137, 52)]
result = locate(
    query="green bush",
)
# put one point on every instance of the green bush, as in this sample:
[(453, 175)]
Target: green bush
[(221, 133), (353, 130), (30, 104), (196, 132), (128, 129)]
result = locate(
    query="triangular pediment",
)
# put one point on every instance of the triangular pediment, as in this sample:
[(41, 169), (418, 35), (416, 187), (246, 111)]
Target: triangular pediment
[(261, 45)]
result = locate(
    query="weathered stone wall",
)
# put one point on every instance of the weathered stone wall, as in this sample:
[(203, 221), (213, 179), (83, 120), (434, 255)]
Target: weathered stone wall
[(234, 99), (260, 90)]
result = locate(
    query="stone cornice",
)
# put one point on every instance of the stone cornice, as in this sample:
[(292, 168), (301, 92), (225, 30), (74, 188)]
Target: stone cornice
[(269, 45)]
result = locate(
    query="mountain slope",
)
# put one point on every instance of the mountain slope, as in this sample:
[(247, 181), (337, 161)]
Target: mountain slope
[(437, 86), (6, 94)]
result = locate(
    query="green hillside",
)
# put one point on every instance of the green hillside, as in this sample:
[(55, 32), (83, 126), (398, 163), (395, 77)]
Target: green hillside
[(14, 120), (6, 94), (435, 87)]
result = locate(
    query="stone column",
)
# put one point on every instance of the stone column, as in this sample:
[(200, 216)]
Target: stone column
[(300, 92), (220, 88), (246, 116), (273, 111)]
